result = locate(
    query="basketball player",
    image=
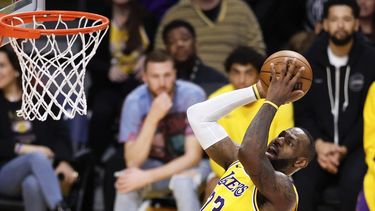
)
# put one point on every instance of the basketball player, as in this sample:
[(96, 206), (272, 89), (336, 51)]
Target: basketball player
[(257, 176)]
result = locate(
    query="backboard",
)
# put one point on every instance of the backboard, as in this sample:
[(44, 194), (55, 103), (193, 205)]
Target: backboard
[(17, 6)]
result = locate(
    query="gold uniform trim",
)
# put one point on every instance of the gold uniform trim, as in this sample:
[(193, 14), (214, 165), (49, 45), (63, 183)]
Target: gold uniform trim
[(255, 194)]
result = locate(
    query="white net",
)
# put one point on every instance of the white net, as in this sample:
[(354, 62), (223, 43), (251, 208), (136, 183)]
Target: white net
[(53, 69)]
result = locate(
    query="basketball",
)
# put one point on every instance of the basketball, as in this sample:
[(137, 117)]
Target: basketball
[(278, 59)]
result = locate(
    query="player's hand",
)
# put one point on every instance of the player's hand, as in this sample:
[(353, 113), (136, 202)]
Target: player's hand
[(262, 91), (116, 75), (160, 106), (280, 90), (132, 179), (70, 175)]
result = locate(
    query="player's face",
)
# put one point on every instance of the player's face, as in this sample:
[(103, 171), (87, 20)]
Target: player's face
[(180, 44), (160, 77), (8, 74), (367, 8), (285, 150), (340, 24), (241, 76)]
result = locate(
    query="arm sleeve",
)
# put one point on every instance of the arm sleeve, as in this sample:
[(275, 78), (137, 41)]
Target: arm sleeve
[(203, 116), (193, 98)]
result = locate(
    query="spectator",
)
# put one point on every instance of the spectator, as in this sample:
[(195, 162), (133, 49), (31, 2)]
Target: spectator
[(28, 148), (314, 15), (332, 109), (366, 199), (160, 148), (367, 19), (114, 71), (180, 39), (221, 26), (243, 66)]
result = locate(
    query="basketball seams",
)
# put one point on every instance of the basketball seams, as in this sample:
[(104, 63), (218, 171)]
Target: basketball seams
[(261, 79), (289, 57), (265, 71), (277, 58)]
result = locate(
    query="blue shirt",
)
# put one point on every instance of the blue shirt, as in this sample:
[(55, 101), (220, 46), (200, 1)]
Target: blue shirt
[(169, 138)]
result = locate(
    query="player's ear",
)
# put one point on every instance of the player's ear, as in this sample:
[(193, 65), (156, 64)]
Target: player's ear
[(301, 162)]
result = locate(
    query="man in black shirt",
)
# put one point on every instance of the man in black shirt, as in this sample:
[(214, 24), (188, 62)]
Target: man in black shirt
[(180, 39)]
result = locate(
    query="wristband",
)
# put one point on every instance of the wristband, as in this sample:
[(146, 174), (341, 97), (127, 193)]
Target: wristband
[(272, 104), (256, 92)]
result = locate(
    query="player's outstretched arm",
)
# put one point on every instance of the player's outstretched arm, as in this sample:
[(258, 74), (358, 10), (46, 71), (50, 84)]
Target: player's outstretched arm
[(212, 137), (275, 186)]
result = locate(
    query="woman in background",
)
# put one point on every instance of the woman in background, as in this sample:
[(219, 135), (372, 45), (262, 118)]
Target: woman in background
[(29, 151), (114, 71)]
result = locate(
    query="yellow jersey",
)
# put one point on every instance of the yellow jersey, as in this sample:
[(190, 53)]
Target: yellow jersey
[(235, 191), (237, 121), (369, 146)]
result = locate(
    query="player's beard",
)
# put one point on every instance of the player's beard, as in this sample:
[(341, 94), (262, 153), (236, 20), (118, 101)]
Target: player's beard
[(343, 41), (283, 164)]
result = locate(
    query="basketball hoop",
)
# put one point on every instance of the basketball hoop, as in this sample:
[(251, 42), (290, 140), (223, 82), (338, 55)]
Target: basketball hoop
[(52, 73)]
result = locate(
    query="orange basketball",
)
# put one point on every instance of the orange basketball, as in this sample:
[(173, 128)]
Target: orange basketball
[(278, 59)]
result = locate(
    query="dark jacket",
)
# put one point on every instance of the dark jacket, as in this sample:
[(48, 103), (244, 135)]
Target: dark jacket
[(204, 76), (50, 133), (316, 111)]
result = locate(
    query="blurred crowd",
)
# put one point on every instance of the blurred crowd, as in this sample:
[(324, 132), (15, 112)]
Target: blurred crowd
[(161, 56)]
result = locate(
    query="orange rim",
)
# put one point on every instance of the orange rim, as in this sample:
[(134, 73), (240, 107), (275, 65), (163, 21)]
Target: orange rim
[(10, 26)]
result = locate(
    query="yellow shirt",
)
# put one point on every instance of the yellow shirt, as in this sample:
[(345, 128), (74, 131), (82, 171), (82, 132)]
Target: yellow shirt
[(118, 39), (369, 146), (237, 121), (234, 191)]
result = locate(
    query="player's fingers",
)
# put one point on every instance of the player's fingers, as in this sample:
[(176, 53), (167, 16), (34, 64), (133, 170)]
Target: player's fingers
[(273, 72), (296, 77), (291, 64), (295, 95), (284, 69)]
